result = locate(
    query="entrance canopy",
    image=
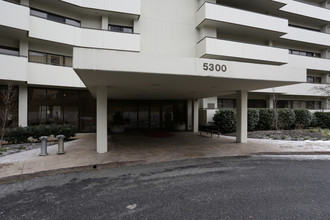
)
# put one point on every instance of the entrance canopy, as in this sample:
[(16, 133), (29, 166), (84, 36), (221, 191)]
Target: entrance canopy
[(129, 75)]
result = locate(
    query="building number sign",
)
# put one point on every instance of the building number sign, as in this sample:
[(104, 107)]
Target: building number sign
[(214, 67)]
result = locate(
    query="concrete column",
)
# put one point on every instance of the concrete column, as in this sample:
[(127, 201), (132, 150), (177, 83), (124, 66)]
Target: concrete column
[(25, 2), (105, 22), (190, 115), (23, 47), (271, 101), (22, 105), (196, 109), (241, 116), (101, 119)]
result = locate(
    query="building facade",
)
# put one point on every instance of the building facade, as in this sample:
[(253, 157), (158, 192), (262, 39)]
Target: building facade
[(154, 61)]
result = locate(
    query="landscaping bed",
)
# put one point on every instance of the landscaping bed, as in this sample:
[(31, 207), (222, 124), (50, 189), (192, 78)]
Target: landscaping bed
[(312, 134), (16, 148)]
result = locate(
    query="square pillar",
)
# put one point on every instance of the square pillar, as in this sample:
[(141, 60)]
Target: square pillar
[(195, 121), (105, 22), (101, 119), (190, 115), (22, 105), (241, 116)]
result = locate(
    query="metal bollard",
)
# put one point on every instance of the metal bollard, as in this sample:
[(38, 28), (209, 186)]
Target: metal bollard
[(60, 144), (43, 140)]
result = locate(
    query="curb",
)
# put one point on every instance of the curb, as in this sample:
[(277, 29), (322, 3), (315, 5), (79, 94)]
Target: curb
[(291, 153), (28, 176)]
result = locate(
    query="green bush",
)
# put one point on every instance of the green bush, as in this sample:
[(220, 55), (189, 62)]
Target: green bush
[(21, 134), (225, 120), (266, 119), (303, 118), (321, 119), (253, 118), (286, 118)]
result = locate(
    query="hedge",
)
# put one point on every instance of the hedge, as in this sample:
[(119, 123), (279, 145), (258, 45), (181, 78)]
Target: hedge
[(266, 119), (321, 119), (286, 118), (253, 119), (303, 118), (21, 134), (225, 120)]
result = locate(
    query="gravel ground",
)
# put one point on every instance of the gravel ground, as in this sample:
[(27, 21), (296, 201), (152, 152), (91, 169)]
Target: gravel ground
[(288, 135)]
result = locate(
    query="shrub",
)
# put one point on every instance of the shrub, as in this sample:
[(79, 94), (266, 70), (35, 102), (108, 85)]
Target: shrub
[(21, 134), (303, 118), (266, 119), (321, 119), (253, 118), (225, 120), (286, 118)]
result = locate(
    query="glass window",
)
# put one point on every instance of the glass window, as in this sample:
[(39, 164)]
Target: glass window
[(68, 61), (56, 18), (117, 28), (37, 57), (72, 22), (87, 114), (37, 106), (9, 51), (38, 13), (257, 103), (70, 102), (210, 105), (310, 105), (55, 60)]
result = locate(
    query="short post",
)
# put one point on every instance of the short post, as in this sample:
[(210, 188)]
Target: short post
[(43, 140), (60, 143)]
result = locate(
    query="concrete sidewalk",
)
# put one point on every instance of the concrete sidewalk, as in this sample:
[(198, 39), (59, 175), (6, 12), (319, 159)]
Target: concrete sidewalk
[(135, 148)]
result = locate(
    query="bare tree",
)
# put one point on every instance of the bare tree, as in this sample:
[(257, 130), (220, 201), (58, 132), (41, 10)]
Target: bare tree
[(7, 108), (275, 110), (325, 90)]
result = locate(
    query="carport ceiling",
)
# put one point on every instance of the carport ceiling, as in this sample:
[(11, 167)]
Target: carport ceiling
[(128, 85)]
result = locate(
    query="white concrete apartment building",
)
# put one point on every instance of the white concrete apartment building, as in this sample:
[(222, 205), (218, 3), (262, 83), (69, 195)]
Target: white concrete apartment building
[(81, 61)]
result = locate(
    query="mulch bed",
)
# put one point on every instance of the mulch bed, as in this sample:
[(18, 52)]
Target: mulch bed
[(289, 135)]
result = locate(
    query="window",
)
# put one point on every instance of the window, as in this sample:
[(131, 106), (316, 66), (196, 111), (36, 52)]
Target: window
[(9, 51), (226, 103), (314, 79), (257, 103), (304, 53), (53, 59), (210, 105), (123, 29), (54, 17)]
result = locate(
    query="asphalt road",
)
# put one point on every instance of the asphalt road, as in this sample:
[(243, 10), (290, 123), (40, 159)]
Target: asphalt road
[(217, 188)]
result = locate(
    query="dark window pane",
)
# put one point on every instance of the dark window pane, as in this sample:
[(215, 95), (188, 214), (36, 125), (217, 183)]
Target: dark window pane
[(9, 51), (68, 61), (37, 57), (56, 18), (72, 22), (38, 13), (87, 117), (55, 60), (37, 106)]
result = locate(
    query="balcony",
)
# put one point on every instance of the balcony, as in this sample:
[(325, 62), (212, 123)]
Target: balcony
[(302, 89), (43, 74), (305, 10), (307, 36), (235, 51), (130, 7), (61, 33), (14, 16), (13, 68), (231, 19), (309, 62)]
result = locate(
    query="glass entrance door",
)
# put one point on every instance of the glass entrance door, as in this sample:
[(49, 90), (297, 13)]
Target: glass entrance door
[(143, 115), (155, 115)]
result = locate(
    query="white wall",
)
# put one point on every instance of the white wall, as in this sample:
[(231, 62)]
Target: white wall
[(122, 6), (298, 34), (14, 15), (13, 68), (231, 49), (42, 74), (167, 27), (240, 17), (66, 34)]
